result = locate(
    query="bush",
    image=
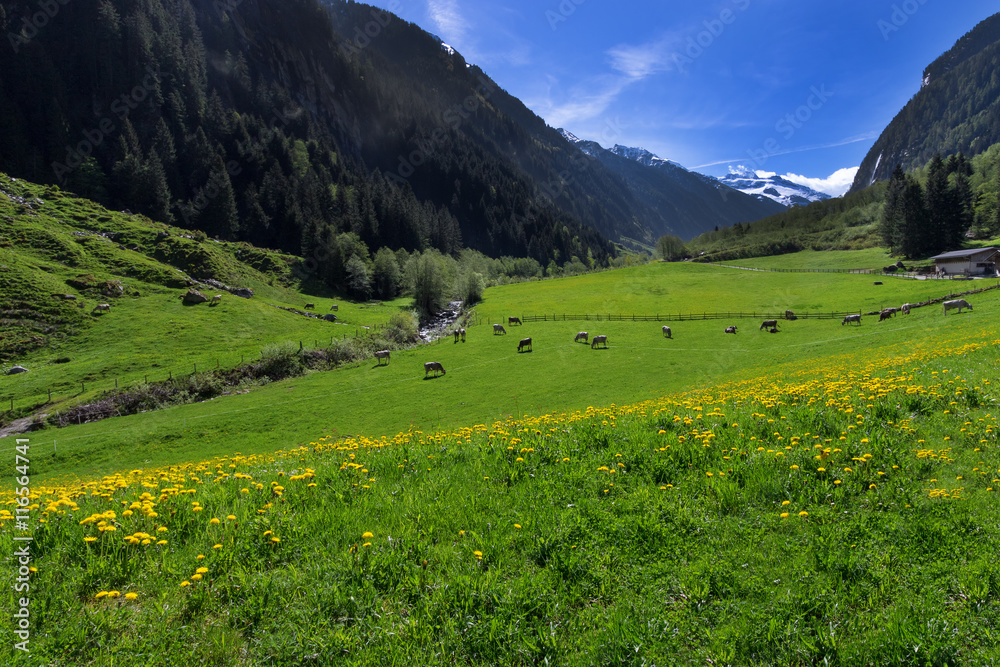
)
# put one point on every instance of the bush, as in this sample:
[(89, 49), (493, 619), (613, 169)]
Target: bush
[(402, 328)]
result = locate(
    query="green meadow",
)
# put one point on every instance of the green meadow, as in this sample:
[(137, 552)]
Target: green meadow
[(486, 377), (822, 496)]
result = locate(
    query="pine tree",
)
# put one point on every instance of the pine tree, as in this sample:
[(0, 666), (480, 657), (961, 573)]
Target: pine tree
[(914, 240), (940, 207), (891, 223)]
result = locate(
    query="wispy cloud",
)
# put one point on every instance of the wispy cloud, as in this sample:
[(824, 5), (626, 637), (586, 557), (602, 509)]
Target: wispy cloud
[(638, 61), (585, 102), (868, 136), (449, 20)]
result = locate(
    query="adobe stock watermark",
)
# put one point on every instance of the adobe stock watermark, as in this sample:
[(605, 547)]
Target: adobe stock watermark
[(22, 544), (30, 26), (699, 43), (562, 12), (791, 123), (901, 13), (120, 108)]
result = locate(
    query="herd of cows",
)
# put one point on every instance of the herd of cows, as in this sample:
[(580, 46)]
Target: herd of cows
[(771, 326)]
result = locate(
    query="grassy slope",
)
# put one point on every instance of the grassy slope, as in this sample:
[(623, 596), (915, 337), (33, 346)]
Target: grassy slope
[(835, 511), (148, 332)]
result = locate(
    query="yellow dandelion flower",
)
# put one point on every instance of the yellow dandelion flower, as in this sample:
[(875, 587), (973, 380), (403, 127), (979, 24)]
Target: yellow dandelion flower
[(216, 546), (784, 515), (131, 596), (185, 583), (202, 570), (367, 535), (196, 577), (214, 521), (518, 526), (803, 514)]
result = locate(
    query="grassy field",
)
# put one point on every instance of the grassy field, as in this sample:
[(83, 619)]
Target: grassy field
[(488, 379), (839, 510), (871, 258), (696, 288)]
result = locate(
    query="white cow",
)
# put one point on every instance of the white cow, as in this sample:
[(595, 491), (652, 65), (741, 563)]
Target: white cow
[(433, 366), (851, 318), (582, 335), (666, 332), (906, 308), (382, 354), (956, 303), (105, 307), (498, 329), (599, 340), (217, 299)]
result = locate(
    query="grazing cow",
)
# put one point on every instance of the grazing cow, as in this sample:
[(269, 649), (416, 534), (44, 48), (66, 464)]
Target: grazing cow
[(334, 307), (731, 329), (330, 317), (382, 354), (956, 303), (906, 308), (216, 300), (666, 332), (456, 335), (851, 318), (598, 340), (884, 315), (582, 335), (310, 306), (789, 315), (768, 324), (513, 320), (773, 330), (433, 366), (525, 343), (105, 307), (498, 329), (462, 331)]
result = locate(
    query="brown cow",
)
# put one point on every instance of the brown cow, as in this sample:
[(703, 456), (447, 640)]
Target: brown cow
[(382, 354), (513, 320), (433, 366), (525, 343), (597, 340)]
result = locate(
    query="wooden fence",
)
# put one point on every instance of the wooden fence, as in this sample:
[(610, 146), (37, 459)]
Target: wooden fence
[(665, 317)]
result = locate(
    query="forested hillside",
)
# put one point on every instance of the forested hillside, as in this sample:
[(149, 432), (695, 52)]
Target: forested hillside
[(257, 121), (956, 110)]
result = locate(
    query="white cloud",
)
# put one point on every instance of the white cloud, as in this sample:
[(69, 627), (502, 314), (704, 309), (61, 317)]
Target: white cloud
[(834, 185), (642, 60), (449, 21)]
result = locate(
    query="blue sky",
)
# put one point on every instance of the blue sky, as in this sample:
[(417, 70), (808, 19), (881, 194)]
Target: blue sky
[(790, 87)]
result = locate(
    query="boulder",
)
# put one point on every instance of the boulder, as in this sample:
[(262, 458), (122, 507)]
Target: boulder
[(194, 296), (330, 317), (17, 369)]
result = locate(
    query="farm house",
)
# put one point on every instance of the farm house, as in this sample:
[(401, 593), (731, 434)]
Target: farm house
[(975, 262)]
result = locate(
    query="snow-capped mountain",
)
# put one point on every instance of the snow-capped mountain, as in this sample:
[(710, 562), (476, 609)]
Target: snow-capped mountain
[(642, 156), (687, 203), (772, 187)]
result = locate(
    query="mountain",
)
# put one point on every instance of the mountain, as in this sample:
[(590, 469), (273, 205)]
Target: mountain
[(957, 109), (772, 187), (327, 131), (684, 203)]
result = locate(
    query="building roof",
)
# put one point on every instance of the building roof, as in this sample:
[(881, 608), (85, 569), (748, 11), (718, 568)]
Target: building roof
[(962, 254)]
